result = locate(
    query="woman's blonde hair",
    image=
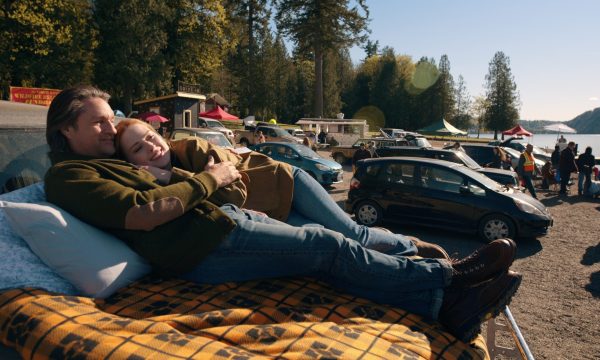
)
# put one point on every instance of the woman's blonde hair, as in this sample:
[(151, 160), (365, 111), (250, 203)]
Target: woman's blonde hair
[(122, 126)]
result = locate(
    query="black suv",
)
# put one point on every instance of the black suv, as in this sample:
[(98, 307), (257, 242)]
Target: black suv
[(504, 177), (437, 193)]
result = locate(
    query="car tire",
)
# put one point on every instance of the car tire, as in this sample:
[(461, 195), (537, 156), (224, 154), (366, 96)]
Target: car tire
[(496, 226), (368, 213), (339, 158)]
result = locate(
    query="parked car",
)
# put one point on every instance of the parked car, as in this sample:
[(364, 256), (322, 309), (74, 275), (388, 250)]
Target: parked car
[(442, 194), (517, 144), (504, 177), (325, 171), (272, 133), (299, 133), (484, 154), (213, 124), (514, 154), (342, 154), (212, 136)]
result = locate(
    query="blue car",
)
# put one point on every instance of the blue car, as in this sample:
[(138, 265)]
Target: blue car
[(325, 171)]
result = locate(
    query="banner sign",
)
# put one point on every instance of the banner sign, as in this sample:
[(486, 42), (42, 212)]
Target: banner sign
[(37, 96), (187, 87)]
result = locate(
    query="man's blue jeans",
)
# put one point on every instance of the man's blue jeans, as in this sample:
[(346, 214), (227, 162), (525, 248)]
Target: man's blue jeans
[(260, 247), (311, 204), (529, 184)]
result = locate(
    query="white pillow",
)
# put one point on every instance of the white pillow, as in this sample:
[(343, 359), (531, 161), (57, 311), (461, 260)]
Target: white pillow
[(96, 262), (19, 266)]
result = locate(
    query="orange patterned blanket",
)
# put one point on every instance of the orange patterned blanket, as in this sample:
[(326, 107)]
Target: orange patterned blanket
[(295, 318)]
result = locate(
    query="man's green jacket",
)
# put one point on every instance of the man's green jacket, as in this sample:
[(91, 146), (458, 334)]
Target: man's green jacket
[(173, 226)]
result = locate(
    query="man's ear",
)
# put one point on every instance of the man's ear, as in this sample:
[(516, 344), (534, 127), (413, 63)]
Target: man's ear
[(67, 131)]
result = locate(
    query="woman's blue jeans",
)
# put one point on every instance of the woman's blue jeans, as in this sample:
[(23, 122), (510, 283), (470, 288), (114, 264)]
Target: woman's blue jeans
[(311, 204), (260, 247)]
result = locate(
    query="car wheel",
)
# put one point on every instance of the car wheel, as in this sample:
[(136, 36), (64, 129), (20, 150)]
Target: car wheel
[(496, 226), (244, 143), (368, 213), (339, 158)]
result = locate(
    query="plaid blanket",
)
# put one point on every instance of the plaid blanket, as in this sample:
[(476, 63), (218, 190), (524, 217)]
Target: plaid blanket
[(295, 318)]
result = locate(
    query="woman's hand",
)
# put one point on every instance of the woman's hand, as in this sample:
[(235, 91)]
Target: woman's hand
[(163, 176), (224, 172)]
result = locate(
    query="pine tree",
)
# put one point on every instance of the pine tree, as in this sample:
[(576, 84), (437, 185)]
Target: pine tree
[(501, 94), (462, 119), (320, 25)]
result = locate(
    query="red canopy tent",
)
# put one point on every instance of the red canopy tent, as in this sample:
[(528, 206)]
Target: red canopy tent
[(517, 130), (219, 114)]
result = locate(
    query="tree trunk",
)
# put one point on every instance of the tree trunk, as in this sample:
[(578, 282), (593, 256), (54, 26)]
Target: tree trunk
[(318, 83)]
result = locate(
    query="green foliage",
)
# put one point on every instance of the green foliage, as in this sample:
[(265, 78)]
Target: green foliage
[(46, 43), (502, 97), (317, 26)]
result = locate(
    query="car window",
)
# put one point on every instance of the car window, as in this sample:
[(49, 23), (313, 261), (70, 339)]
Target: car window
[(267, 150), (399, 173), (440, 179), (177, 135), (476, 189), (280, 150)]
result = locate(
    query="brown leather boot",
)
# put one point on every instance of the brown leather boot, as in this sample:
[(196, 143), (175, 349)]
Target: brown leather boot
[(428, 250), (483, 264), (463, 310)]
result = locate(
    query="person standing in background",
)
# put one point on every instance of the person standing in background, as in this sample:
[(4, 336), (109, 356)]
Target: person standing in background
[(526, 169), (566, 166), (585, 163)]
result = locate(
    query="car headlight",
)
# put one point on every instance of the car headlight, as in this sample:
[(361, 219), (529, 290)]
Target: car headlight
[(322, 167), (528, 208)]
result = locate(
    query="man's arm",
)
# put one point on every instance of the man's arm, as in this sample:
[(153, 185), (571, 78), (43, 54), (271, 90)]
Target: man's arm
[(122, 198)]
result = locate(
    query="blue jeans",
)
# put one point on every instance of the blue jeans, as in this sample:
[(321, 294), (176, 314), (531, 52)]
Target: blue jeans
[(529, 185), (260, 247), (312, 204)]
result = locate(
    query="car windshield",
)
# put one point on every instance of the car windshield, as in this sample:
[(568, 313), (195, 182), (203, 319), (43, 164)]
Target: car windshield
[(306, 152), (213, 124), (482, 179), (279, 132), (467, 160), (421, 142), (214, 138)]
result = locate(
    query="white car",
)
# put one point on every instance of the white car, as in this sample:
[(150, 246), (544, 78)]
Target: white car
[(212, 136), (213, 124)]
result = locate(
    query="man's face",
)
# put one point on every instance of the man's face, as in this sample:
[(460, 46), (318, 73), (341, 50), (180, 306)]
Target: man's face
[(95, 133), (529, 148)]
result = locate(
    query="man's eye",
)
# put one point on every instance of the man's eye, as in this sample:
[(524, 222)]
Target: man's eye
[(136, 149)]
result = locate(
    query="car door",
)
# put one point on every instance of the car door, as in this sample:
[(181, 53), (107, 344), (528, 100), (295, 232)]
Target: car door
[(441, 201), (396, 185)]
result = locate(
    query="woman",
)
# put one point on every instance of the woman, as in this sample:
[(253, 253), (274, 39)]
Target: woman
[(500, 158), (281, 191)]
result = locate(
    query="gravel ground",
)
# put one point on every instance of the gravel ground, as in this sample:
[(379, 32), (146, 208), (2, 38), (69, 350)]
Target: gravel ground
[(557, 306)]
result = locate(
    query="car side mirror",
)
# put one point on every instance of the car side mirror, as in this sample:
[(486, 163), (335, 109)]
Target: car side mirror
[(464, 190)]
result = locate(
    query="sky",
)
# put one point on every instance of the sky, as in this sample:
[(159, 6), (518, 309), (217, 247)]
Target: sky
[(553, 46)]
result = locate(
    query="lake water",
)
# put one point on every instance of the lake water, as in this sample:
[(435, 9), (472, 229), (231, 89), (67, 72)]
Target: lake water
[(549, 140)]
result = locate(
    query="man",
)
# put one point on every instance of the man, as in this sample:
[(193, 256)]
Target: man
[(566, 166), (526, 169), (361, 153), (555, 157), (585, 164), (181, 233)]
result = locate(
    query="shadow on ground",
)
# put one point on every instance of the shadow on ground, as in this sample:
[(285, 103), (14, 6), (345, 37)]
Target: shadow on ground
[(590, 257)]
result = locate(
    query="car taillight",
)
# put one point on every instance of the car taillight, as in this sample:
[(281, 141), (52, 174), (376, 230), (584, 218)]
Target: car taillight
[(354, 184)]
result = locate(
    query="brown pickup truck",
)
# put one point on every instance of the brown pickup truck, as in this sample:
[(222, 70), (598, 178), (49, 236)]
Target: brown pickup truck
[(271, 133), (342, 154)]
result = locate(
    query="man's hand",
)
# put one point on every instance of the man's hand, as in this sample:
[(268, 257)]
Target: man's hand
[(224, 172)]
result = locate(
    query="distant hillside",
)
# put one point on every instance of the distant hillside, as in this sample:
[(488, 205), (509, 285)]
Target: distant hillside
[(586, 123)]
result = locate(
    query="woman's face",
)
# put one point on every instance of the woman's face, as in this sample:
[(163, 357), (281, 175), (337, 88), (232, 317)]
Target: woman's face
[(142, 146)]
